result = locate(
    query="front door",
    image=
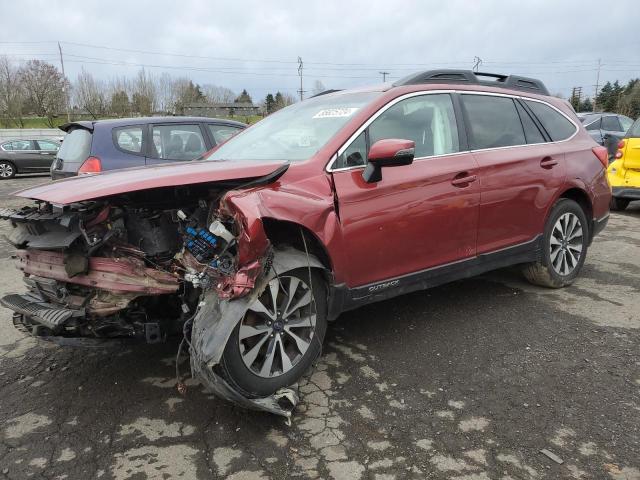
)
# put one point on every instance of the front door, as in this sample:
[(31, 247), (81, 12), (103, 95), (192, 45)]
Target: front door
[(419, 215)]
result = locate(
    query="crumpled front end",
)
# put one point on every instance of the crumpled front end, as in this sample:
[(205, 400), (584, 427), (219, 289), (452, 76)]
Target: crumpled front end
[(145, 265)]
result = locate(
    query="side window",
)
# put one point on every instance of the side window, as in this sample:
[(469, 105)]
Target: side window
[(129, 138), (222, 133), (557, 125), (531, 131), (494, 121), (177, 142), (48, 146), (594, 125), (428, 120), (355, 154), (611, 124), (21, 145), (7, 146)]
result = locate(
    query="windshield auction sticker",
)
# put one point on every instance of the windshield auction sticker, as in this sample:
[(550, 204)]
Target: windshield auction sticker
[(335, 112)]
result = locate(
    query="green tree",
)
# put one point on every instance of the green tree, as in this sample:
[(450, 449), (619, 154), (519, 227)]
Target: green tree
[(141, 104), (244, 97), (269, 103), (119, 105)]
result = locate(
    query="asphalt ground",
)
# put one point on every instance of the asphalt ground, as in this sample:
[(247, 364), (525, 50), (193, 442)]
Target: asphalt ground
[(470, 380)]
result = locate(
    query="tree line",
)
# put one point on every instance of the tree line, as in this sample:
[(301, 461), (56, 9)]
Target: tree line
[(614, 98), (38, 88)]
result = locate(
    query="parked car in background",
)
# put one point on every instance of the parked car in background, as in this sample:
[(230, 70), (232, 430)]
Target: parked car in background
[(606, 128), (96, 146), (332, 203), (26, 156), (624, 171)]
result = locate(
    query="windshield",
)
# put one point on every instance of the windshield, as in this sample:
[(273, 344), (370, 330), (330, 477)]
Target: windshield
[(294, 133)]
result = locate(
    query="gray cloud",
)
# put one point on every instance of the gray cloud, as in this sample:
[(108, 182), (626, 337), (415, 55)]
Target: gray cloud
[(559, 42)]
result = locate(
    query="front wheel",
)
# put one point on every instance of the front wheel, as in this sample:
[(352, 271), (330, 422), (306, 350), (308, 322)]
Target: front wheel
[(7, 170), (618, 204), (279, 336), (566, 238)]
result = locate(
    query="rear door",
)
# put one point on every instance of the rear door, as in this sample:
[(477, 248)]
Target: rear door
[(175, 142), (419, 215), (519, 170), (48, 151)]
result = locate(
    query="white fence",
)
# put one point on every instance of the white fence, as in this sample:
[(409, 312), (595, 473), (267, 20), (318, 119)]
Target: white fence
[(31, 133)]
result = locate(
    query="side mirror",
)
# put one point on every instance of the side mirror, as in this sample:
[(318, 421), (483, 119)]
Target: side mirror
[(392, 152)]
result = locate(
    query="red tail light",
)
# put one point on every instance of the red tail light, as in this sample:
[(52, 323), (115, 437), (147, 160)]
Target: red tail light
[(621, 144), (91, 165), (602, 154)]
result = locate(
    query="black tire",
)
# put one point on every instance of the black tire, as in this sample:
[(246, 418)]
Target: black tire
[(618, 204), (7, 170), (248, 381), (543, 272)]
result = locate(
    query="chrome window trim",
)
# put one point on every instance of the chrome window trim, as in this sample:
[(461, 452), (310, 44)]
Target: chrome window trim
[(364, 126)]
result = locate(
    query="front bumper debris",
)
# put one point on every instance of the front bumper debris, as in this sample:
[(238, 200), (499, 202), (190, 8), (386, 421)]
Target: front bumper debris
[(39, 310)]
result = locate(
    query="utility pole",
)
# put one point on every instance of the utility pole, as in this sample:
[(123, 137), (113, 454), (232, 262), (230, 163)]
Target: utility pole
[(300, 66), (64, 84), (576, 97), (477, 61), (384, 76), (595, 97)]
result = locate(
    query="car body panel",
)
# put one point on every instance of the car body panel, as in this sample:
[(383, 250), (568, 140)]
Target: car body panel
[(89, 187), (624, 172), (382, 243)]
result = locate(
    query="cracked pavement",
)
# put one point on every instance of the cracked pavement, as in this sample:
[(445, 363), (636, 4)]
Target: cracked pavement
[(466, 381)]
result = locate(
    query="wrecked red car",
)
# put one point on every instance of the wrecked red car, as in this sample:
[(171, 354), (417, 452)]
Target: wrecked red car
[(347, 198)]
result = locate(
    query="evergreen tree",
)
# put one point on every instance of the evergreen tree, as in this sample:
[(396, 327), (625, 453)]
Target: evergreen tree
[(244, 97)]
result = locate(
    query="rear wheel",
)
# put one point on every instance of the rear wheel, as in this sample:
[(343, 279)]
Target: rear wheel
[(7, 170), (565, 245), (280, 335), (618, 204)]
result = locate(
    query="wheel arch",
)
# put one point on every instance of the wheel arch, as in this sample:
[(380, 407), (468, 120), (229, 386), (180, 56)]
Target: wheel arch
[(285, 232), (581, 197)]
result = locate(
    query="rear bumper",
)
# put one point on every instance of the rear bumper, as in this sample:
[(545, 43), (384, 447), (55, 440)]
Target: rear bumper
[(631, 193)]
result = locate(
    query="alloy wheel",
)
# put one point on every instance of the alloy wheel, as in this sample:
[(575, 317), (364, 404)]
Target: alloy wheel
[(6, 170), (278, 328), (566, 244)]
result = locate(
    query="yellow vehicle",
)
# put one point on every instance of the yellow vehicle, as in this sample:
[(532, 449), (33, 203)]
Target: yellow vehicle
[(624, 171)]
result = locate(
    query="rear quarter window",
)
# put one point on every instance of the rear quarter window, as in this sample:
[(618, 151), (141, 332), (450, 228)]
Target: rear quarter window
[(76, 146), (557, 125)]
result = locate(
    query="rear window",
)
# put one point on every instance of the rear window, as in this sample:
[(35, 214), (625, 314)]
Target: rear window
[(76, 146), (494, 121), (557, 125)]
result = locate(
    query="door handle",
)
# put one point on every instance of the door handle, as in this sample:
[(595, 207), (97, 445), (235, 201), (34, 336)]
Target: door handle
[(463, 179), (548, 162)]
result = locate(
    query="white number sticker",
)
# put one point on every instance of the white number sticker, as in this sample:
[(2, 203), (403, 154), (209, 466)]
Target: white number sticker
[(335, 112)]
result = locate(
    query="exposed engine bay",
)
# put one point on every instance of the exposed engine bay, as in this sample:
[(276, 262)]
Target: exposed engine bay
[(142, 266)]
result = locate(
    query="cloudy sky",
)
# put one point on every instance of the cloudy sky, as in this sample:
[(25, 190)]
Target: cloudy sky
[(255, 44)]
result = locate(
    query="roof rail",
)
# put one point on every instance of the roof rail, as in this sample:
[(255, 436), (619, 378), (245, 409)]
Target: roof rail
[(515, 82)]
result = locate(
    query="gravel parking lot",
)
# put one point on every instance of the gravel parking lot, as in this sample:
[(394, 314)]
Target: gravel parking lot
[(466, 381)]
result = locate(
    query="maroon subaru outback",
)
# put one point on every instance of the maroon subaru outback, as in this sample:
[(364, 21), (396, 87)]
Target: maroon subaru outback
[(344, 199)]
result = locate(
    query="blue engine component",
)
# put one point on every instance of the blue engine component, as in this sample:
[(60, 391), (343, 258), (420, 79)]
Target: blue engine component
[(201, 243)]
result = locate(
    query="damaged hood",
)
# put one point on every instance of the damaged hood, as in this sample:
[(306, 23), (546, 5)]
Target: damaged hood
[(91, 187)]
